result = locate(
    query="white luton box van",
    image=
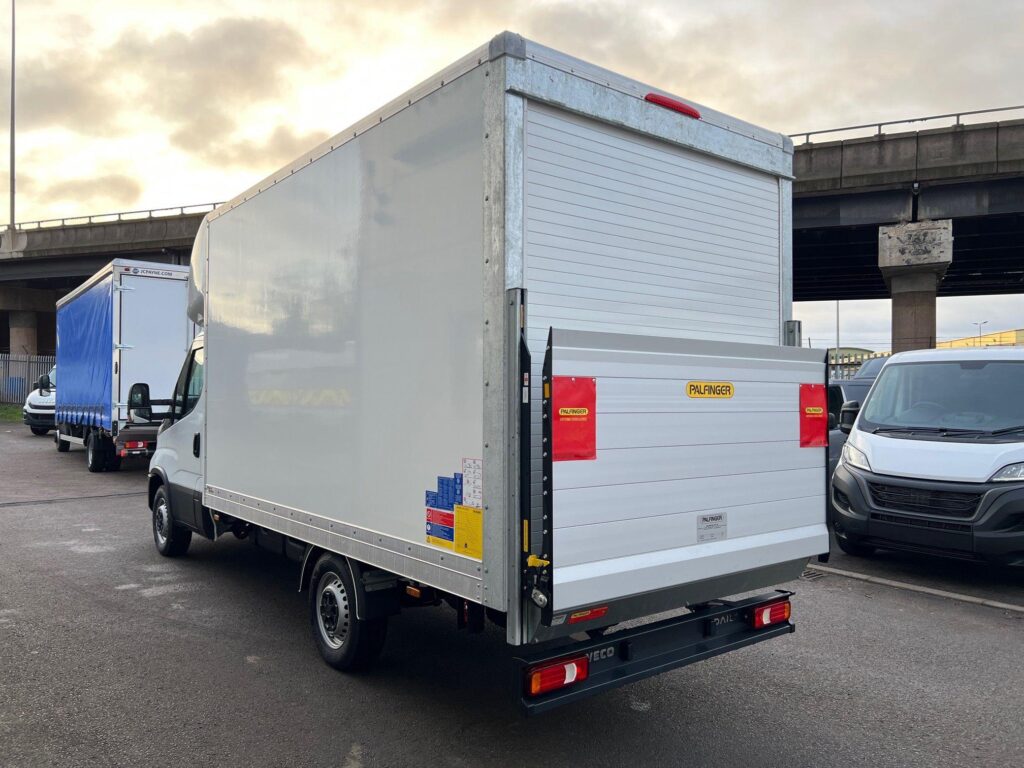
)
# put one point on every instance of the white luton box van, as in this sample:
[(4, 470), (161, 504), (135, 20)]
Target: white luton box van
[(513, 342)]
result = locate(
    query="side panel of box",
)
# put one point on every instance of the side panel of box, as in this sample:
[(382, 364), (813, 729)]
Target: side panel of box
[(345, 346)]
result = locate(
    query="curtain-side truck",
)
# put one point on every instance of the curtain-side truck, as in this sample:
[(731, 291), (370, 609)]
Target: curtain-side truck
[(124, 324), (519, 341)]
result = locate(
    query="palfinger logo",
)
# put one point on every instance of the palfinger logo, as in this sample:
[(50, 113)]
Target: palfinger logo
[(814, 410), (573, 411), (712, 389)]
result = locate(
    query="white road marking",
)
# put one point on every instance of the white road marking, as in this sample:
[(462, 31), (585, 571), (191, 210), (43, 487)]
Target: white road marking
[(354, 759), (917, 588), (127, 586), (166, 589)]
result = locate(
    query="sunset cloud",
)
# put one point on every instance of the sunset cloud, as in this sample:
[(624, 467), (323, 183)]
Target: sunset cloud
[(194, 101)]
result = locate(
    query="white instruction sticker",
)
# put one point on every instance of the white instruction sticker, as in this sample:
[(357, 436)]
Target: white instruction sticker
[(473, 482), (711, 527)]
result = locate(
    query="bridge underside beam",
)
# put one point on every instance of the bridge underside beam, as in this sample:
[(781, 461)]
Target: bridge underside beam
[(842, 262)]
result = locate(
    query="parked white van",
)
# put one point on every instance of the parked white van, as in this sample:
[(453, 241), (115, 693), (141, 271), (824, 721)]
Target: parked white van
[(37, 413), (934, 461)]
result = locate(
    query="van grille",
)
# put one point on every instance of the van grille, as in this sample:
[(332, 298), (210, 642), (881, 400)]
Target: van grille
[(940, 525), (925, 502)]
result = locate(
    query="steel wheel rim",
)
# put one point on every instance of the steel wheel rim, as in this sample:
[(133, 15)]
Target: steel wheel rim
[(332, 610), (161, 522)]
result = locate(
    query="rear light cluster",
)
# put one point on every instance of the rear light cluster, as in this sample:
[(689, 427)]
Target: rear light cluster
[(132, 445), (553, 675), (772, 613)]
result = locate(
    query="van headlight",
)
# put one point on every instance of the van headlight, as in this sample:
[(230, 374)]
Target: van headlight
[(855, 457), (1009, 473)]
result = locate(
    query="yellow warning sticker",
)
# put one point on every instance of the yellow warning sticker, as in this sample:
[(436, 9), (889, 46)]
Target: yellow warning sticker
[(438, 541), (713, 389), (469, 531)]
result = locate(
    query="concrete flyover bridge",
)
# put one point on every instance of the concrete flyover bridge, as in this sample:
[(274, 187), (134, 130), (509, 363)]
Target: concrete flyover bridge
[(47, 259), (911, 214)]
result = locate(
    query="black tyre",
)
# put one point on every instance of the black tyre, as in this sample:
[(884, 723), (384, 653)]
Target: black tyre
[(63, 446), (171, 540), (113, 460), (344, 641), (39, 430), (95, 452), (853, 547)]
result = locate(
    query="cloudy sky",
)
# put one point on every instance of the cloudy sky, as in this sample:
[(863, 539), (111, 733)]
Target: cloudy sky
[(140, 104)]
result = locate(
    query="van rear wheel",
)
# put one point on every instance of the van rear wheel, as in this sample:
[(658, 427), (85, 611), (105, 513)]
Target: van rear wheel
[(344, 641), (95, 452)]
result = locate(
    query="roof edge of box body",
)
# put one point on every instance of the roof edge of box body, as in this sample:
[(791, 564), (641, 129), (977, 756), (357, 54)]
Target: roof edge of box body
[(182, 271), (515, 46)]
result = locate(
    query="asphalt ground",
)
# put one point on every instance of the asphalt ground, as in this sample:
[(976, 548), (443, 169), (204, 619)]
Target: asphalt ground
[(113, 655)]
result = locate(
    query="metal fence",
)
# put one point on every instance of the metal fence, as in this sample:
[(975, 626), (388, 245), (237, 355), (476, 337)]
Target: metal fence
[(877, 127), (106, 218), (19, 373)]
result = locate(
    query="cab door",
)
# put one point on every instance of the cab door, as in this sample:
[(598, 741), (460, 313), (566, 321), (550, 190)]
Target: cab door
[(180, 445)]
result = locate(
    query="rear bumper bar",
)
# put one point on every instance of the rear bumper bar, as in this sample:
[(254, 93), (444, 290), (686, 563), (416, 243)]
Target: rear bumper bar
[(633, 654)]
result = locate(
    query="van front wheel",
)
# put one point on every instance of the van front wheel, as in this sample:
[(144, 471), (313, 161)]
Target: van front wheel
[(344, 641), (171, 540)]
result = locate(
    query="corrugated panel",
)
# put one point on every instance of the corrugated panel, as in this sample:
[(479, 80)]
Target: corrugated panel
[(635, 517), (628, 234)]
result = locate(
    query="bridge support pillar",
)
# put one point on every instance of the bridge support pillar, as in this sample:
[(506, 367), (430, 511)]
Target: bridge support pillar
[(913, 258), (24, 332)]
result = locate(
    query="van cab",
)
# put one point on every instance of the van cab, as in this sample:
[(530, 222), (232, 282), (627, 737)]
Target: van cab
[(934, 461), (37, 413)]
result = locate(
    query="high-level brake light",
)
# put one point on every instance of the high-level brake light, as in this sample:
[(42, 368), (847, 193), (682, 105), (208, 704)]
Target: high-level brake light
[(772, 613), (673, 104), (556, 674)]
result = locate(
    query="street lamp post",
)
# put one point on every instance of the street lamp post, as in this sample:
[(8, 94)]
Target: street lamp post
[(983, 322), (10, 221)]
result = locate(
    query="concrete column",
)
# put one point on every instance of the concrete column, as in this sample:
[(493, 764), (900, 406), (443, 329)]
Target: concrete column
[(23, 332), (913, 258)]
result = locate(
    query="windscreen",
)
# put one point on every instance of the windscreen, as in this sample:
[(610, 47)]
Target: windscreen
[(973, 396)]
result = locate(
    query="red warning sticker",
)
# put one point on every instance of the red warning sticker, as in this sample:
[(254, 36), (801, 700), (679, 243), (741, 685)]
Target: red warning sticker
[(813, 416), (573, 418)]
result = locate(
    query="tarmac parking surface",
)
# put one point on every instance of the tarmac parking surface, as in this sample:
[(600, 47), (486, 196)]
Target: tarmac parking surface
[(113, 655)]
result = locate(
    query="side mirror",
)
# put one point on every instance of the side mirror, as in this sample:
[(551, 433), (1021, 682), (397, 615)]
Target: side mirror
[(832, 421), (848, 415), (44, 383), (138, 401)]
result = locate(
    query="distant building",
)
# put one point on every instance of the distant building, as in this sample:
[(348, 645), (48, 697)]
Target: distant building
[(844, 362), (994, 339)]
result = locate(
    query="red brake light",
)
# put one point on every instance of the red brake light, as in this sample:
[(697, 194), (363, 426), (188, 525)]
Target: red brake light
[(556, 674), (673, 104), (771, 613), (132, 444)]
